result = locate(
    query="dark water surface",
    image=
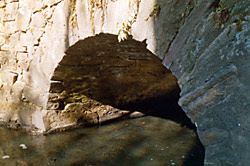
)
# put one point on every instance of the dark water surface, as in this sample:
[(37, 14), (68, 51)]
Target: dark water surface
[(146, 141)]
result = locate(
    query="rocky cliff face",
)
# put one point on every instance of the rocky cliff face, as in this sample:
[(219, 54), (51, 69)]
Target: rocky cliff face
[(210, 57), (50, 69)]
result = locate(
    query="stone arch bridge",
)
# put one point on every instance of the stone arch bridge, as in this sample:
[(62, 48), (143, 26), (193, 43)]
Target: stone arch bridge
[(57, 56)]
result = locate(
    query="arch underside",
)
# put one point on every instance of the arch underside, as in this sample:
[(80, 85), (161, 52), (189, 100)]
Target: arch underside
[(99, 79)]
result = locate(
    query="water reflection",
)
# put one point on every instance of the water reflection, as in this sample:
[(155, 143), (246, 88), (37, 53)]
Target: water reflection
[(147, 141)]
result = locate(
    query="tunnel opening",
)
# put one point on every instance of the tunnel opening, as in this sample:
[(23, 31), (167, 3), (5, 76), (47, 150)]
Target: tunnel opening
[(100, 80), (125, 75)]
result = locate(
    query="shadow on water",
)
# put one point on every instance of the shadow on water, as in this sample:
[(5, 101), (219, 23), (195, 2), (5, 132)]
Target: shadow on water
[(196, 155), (146, 141), (166, 107)]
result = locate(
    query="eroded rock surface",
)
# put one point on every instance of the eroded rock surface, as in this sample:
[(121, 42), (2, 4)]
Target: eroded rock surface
[(210, 57)]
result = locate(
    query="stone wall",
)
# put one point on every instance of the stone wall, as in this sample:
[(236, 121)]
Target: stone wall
[(205, 43), (32, 43), (35, 37)]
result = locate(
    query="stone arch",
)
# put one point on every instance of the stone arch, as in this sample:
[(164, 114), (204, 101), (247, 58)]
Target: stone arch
[(205, 43), (99, 76)]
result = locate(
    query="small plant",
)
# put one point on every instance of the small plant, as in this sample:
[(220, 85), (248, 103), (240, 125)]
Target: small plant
[(223, 15), (124, 28), (123, 31), (73, 15), (155, 11), (189, 8)]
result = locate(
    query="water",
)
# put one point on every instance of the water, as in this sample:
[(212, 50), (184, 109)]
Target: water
[(146, 141)]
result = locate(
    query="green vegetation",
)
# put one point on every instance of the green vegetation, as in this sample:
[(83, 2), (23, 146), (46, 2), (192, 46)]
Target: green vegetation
[(222, 15), (189, 8), (123, 31), (73, 16), (240, 21), (155, 11), (124, 28)]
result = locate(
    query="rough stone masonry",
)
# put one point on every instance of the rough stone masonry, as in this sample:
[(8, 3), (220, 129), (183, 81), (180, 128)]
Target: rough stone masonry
[(205, 43)]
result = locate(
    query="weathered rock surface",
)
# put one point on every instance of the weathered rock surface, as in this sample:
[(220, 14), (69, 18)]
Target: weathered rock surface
[(205, 43), (210, 57)]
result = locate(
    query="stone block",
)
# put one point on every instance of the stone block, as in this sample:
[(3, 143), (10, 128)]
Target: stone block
[(37, 20), (2, 4), (10, 1), (56, 87), (213, 136), (8, 77), (11, 11), (111, 114), (2, 14), (17, 90), (30, 38), (23, 18), (32, 96), (14, 39), (54, 106), (38, 79), (3, 57), (22, 60), (2, 27), (6, 47), (11, 27), (30, 4), (2, 40), (20, 48)]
